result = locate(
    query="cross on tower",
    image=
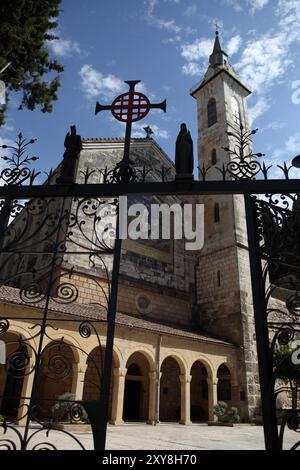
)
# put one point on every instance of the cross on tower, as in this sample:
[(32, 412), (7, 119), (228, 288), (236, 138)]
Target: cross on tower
[(130, 107), (217, 28)]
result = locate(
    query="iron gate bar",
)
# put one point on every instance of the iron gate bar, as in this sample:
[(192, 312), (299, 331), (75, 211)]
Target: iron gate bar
[(261, 330), (159, 188)]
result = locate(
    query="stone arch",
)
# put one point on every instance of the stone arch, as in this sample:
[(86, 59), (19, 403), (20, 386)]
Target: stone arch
[(179, 359), (55, 376), (136, 392), (170, 388), (93, 375), (76, 347), (13, 372), (199, 391), (224, 383), (145, 352)]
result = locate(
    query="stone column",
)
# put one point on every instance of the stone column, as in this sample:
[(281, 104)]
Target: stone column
[(79, 371), (118, 396), (212, 397), (26, 393), (152, 398), (185, 407)]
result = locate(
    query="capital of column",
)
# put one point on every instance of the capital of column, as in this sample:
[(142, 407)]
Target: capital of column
[(80, 368), (152, 375), (185, 378), (212, 380), (120, 372)]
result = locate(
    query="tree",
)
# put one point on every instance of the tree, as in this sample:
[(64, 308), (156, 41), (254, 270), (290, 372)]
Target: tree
[(25, 28)]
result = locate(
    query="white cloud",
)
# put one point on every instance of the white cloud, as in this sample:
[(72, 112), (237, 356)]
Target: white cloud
[(275, 126), (191, 10), (233, 45), (290, 149), (173, 40), (240, 5), (138, 131), (191, 68), (169, 25), (233, 3), (199, 49), (64, 47), (197, 53), (94, 83), (264, 61), (257, 4), (260, 107)]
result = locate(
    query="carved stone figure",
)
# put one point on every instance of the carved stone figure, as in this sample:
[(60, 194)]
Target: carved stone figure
[(184, 155), (73, 147)]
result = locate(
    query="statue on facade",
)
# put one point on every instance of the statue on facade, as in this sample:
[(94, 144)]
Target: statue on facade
[(73, 147), (184, 155)]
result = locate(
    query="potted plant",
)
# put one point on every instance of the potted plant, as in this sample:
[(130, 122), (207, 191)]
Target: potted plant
[(226, 416)]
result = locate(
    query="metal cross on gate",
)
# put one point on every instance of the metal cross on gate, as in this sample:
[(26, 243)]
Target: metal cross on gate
[(130, 107)]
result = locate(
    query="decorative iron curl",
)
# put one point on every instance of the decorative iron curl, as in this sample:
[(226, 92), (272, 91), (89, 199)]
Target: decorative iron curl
[(17, 362), (85, 330), (59, 367), (66, 293), (77, 412), (4, 325)]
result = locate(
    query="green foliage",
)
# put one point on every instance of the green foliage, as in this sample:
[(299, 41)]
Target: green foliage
[(1, 418), (226, 414), (25, 26), (62, 408)]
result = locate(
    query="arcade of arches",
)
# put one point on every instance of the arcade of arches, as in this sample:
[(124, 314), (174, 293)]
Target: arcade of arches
[(191, 378)]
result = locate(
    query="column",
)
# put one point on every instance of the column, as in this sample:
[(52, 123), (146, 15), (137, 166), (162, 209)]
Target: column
[(26, 392), (185, 407), (212, 397), (118, 396), (152, 397), (79, 371)]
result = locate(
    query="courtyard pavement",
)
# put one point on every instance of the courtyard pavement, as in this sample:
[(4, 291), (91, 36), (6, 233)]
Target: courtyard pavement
[(162, 437)]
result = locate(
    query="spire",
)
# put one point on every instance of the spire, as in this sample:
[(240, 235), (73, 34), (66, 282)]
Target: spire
[(218, 56)]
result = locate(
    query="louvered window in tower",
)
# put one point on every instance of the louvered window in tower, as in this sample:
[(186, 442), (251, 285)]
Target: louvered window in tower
[(235, 108), (211, 112)]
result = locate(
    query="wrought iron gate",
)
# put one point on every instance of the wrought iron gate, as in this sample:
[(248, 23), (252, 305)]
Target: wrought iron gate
[(44, 225)]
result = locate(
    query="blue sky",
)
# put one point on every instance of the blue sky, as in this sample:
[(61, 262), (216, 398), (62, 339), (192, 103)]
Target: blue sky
[(166, 44)]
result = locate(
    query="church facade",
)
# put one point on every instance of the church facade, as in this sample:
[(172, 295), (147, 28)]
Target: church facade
[(185, 331)]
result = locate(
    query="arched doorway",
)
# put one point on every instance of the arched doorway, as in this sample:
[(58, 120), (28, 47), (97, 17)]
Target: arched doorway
[(199, 392), (55, 377), (224, 383), (12, 375), (93, 376), (170, 391), (136, 394)]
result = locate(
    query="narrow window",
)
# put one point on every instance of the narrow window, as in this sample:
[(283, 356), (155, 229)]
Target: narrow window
[(219, 278), (213, 157), (211, 112), (235, 108), (217, 213)]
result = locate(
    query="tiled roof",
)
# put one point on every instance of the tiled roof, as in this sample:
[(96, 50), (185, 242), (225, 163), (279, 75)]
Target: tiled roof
[(114, 139), (95, 312)]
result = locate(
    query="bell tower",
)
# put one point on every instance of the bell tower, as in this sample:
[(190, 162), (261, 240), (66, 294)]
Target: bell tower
[(224, 283)]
